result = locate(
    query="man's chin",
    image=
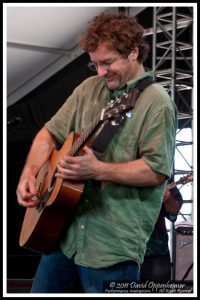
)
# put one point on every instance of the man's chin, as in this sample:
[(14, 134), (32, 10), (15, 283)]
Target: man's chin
[(111, 85)]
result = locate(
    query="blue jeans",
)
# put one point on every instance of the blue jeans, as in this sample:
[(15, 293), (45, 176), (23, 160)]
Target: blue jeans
[(58, 274)]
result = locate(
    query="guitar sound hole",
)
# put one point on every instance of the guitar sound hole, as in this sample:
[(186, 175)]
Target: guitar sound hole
[(44, 200), (46, 194), (53, 180)]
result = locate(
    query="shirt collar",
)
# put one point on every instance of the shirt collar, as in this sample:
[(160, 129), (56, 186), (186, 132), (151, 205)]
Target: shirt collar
[(130, 84)]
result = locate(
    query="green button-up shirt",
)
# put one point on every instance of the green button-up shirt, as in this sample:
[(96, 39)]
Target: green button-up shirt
[(113, 221)]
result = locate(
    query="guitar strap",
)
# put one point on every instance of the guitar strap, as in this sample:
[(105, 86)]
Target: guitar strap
[(110, 128)]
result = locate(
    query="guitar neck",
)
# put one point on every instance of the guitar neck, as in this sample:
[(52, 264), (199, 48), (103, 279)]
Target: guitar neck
[(79, 143), (183, 180), (118, 107)]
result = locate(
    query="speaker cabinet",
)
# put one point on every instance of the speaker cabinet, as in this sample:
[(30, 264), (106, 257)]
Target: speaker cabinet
[(184, 253)]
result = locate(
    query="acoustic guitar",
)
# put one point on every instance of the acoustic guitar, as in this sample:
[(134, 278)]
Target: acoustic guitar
[(58, 198)]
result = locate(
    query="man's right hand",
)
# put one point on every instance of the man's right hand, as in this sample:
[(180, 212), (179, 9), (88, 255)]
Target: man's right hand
[(26, 192)]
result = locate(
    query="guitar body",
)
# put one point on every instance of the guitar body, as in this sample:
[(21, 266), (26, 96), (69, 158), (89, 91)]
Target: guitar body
[(58, 200)]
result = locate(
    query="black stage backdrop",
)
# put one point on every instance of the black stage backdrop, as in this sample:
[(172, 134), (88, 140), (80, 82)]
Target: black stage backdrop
[(25, 119)]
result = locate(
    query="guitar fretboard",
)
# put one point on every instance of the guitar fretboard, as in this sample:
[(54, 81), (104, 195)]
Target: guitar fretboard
[(84, 137)]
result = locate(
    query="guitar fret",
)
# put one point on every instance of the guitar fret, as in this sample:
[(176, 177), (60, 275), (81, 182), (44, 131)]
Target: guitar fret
[(83, 138)]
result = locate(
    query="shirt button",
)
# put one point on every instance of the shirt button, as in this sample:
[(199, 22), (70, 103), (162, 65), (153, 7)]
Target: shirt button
[(82, 226)]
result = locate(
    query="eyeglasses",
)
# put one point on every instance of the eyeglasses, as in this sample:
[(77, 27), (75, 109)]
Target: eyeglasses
[(104, 65)]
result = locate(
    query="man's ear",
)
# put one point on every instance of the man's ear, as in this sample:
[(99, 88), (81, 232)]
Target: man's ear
[(134, 54)]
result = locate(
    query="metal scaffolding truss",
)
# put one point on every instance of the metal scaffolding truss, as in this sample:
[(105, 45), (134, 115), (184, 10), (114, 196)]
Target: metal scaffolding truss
[(172, 54), (172, 63)]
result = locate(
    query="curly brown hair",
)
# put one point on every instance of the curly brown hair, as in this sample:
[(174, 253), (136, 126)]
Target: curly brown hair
[(121, 32)]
